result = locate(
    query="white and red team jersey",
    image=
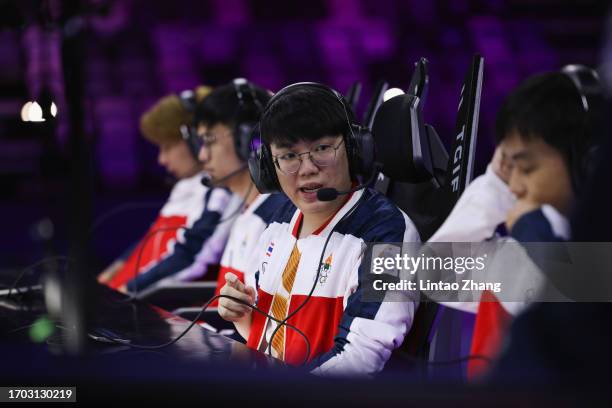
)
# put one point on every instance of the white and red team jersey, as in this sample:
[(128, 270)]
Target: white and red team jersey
[(183, 207), (245, 231), (347, 336)]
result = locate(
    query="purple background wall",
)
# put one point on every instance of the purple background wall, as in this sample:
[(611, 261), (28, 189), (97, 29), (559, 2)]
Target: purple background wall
[(140, 50)]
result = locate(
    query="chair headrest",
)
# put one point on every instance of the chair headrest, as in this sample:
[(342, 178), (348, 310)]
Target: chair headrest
[(401, 140)]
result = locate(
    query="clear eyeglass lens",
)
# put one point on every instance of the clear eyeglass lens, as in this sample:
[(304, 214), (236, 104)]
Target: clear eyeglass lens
[(322, 155)]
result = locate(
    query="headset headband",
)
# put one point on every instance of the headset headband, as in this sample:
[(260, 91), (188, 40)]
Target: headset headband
[(587, 83)]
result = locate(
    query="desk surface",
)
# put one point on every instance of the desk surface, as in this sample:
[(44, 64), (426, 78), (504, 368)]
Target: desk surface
[(135, 320), (203, 367)]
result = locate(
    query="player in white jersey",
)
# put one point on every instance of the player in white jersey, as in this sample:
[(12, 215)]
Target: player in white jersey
[(189, 204), (225, 122), (314, 153)]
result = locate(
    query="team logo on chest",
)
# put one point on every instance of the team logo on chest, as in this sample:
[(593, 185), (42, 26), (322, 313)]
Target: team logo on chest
[(325, 269)]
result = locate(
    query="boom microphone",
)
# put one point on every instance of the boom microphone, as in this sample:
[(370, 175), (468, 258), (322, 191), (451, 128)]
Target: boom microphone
[(207, 181), (330, 194)]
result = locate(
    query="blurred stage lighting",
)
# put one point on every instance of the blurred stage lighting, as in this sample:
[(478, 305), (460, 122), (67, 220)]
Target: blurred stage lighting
[(33, 112), (392, 92), (25, 111)]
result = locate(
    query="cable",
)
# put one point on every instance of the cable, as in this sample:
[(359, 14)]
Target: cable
[(141, 250), (34, 266), (117, 210), (161, 229), (195, 320), (240, 208), (18, 329), (99, 221), (280, 323), (314, 285)]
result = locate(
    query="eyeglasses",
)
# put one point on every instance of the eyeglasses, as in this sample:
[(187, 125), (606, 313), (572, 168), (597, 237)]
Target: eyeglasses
[(322, 155), (207, 139)]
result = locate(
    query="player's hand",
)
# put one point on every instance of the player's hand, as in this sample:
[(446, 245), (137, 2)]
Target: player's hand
[(230, 309), (521, 208), (501, 164)]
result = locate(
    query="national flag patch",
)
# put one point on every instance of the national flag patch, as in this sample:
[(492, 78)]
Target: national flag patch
[(270, 249)]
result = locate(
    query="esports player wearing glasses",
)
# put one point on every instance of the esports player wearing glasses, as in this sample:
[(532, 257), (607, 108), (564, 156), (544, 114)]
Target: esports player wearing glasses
[(224, 122), (226, 126), (311, 151)]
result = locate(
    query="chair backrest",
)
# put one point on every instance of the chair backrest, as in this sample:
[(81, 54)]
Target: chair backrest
[(419, 175), (374, 104), (417, 172), (353, 94)]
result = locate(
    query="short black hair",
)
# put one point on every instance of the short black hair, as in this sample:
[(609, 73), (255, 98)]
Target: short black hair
[(222, 106), (304, 113), (546, 106)]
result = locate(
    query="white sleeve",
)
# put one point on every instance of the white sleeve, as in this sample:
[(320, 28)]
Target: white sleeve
[(368, 334), (481, 208), (369, 331), (558, 223)]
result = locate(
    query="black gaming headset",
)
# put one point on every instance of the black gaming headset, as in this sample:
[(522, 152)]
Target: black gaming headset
[(358, 140), (584, 150), (188, 133), (245, 130)]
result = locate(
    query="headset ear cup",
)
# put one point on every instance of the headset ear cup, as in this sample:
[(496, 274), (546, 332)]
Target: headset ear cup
[(194, 148), (270, 177), (583, 168), (349, 156), (263, 173), (255, 172), (243, 133), (360, 149), (584, 151), (367, 152), (191, 140), (352, 152), (591, 160)]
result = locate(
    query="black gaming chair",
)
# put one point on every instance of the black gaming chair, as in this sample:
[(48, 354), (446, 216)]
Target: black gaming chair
[(419, 175)]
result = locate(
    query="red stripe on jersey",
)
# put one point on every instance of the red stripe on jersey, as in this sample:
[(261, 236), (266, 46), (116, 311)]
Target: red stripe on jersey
[(264, 302), (318, 320), (221, 281), (297, 225), (298, 221), (492, 322), (156, 246)]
